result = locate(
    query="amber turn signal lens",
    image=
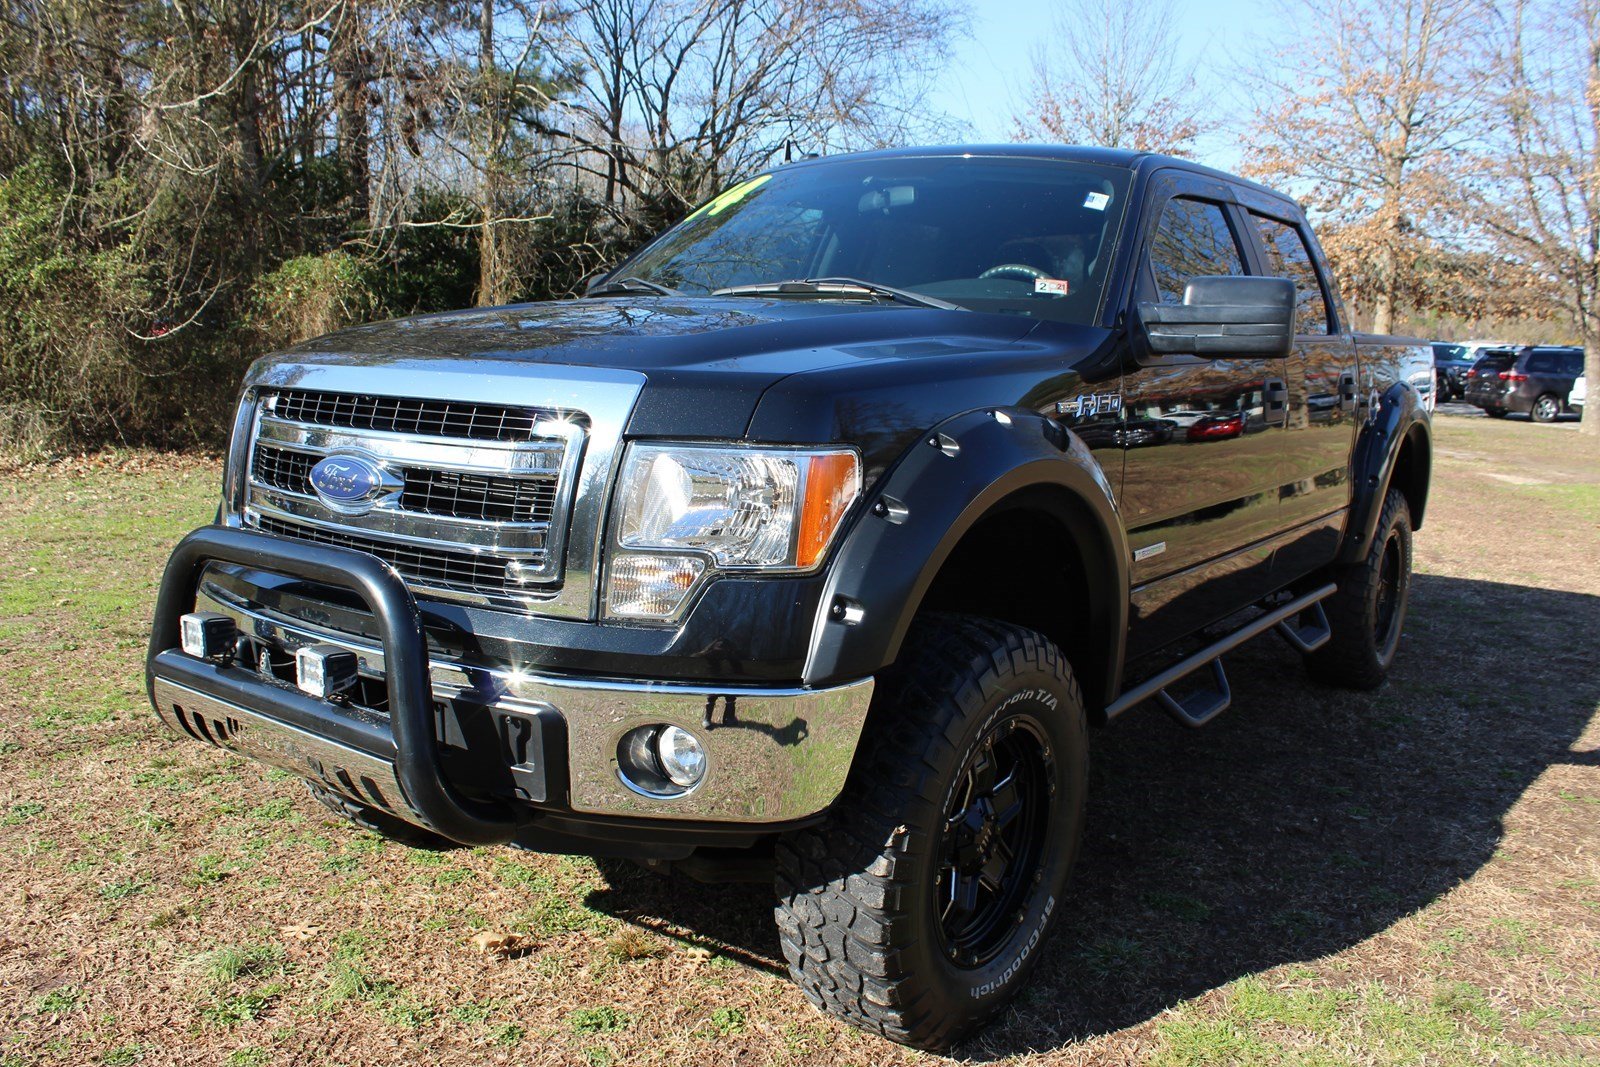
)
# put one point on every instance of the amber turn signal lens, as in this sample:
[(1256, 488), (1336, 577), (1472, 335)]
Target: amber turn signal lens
[(832, 482)]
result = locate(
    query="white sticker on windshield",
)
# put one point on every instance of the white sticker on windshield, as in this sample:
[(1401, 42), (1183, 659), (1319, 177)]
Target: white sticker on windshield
[(1097, 201)]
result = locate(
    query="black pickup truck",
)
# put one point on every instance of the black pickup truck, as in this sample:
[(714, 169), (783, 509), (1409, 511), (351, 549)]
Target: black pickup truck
[(812, 541)]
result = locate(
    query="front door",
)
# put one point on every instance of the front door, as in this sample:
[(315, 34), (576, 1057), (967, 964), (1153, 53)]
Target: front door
[(1202, 438)]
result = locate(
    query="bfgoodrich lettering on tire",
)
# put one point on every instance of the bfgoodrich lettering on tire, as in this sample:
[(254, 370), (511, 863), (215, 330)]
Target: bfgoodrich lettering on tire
[(919, 908)]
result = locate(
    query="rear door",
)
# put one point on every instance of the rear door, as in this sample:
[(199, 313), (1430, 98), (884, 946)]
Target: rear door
[(1320, 376)]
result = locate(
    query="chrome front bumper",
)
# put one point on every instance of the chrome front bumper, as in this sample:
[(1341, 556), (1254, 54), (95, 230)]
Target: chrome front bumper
[(775, 755)]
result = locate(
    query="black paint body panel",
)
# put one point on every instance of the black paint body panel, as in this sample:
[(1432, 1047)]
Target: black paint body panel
[(886, 379)]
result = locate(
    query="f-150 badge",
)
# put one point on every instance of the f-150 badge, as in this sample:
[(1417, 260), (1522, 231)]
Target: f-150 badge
[(1090, 404)]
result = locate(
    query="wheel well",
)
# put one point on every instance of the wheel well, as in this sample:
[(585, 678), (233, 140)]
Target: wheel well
[(1029, 562), (1412, 469)]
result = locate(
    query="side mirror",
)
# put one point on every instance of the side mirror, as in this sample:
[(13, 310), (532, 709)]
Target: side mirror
[(1226, 316), (595, 280)]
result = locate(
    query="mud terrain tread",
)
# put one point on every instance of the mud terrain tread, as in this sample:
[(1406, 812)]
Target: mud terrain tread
[(842, 913)]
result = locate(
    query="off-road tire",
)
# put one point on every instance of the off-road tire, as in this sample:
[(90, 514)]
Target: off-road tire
[(1545, 413), (381, 822), (1357, 656), (856, 911)]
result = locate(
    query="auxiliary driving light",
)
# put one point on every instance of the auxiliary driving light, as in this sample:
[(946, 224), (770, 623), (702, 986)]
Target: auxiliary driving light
[(207, 634), (324, 671)]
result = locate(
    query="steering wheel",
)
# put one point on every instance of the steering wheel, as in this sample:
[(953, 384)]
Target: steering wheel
[(1013, 269)]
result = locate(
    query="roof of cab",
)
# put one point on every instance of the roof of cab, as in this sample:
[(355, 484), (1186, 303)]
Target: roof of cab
[(1109, 157)]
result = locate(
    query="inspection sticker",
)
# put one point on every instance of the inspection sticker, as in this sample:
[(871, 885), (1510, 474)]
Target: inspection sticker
[(1097, 201), (1051, 287)]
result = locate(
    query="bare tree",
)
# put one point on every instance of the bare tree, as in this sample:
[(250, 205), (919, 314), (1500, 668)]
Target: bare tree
[(1542, 193), (1368, 117), (1108, 78), (680, 96)]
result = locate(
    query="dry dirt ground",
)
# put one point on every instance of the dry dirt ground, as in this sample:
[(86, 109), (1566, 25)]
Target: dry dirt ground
[(1410, 876)]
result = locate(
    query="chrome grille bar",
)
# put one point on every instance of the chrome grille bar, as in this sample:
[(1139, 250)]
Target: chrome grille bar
[(450, 494), (407, 415)]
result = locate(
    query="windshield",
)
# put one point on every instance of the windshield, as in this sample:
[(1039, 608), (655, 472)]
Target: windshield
[(1024, 237), (1442, 351)]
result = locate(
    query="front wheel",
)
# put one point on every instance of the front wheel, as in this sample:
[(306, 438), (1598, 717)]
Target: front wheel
[(917, 910), (1368, 612), (1546, 409)]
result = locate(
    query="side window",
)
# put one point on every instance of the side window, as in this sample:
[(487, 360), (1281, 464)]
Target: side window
[(1574, 364), (1192, 240), (1288, 257), (1542, 363)]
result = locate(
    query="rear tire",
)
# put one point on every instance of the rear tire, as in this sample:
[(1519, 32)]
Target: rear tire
[(381, 822), (1546, 409), (1368, 613), (917, 910)]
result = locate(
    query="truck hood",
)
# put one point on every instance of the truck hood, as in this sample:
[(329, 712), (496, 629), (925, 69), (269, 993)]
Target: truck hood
[(706, 361)]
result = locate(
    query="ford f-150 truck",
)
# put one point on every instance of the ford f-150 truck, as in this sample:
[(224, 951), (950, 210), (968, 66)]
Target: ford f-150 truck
[(814, 539)]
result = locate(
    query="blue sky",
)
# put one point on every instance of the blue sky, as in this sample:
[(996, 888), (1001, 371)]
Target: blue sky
[(989, 73)]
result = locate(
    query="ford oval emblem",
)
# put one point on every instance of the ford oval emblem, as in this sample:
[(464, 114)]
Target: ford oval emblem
[(347, 483)]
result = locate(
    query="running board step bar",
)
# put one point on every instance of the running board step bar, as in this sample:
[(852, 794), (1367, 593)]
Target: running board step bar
[(1301, 622)]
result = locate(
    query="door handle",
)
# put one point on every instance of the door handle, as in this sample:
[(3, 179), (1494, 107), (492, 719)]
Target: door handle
[(1347, 391), (1275, 395)]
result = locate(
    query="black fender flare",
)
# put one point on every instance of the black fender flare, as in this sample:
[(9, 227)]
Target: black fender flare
[(957, 473), (1394, 418)]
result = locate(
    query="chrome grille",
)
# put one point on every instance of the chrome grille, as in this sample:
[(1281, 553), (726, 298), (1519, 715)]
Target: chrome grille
[(282, 469), (434, 568), (475, 498), (421, 418)]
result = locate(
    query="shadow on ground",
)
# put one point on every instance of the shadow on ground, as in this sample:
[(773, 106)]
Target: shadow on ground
[(1302, 822)]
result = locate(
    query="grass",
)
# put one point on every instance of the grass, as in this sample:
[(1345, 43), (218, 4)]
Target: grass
[(1403, 878)]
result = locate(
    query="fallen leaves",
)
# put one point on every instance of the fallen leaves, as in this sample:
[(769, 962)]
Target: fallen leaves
[(501, 943)]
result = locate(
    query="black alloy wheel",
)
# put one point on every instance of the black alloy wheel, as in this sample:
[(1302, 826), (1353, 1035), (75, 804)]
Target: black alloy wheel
[(995, 829), (1390, 597)]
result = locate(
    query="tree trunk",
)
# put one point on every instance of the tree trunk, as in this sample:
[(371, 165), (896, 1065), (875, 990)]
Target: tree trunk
[(1590, 426), (350, 81), (490, 273)]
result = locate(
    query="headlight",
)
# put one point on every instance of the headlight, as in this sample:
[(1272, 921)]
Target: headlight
[(688, 510)]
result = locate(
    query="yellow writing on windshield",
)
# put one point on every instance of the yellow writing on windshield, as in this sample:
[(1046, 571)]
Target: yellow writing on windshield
[(732, 196)]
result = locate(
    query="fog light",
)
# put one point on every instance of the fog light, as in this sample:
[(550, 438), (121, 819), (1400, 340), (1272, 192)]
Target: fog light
[(661, 761), (325, 671), (682, 758), (207, 634)]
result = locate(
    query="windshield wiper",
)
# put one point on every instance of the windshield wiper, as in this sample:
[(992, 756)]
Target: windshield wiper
[(631, 284), (840, 286)]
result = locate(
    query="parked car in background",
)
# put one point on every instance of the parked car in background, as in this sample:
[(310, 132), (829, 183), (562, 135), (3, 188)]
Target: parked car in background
[(1534, 380), (1417, 365), (1580, 392), (1451, 362)]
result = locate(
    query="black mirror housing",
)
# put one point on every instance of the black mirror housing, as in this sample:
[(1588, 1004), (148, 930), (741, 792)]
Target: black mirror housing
[(1223, 316)]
